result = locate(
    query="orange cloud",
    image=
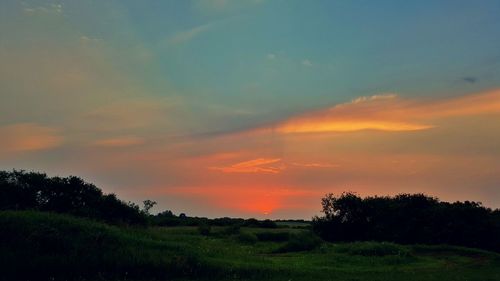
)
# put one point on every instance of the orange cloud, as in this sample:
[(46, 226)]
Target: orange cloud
[(389, 113), (315, 165), (473, 104), (259, 165), (316, 126), (28, 137)]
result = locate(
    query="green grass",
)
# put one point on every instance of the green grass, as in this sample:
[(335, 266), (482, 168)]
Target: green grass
[(43, 246)]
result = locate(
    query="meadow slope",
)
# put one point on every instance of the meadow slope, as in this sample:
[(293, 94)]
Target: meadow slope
[(47, 246)]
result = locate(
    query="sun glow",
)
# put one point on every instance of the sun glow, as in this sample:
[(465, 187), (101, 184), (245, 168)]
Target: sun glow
[(246, 200)]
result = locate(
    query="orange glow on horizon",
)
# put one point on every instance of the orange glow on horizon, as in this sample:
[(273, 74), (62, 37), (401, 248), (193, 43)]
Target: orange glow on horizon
[(247, 200)]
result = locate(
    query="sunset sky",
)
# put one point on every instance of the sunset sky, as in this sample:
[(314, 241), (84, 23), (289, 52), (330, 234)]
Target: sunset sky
[(254, 108)]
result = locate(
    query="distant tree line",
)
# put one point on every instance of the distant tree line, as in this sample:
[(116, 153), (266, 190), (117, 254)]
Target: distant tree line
[(408, 219), (20, 190), (168, 218)]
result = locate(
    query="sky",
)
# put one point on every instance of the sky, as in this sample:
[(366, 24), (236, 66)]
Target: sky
[(254, 108)]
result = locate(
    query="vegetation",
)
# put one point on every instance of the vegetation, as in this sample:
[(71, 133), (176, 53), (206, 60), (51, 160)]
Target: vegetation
[(66, 229), (20, 190), (168, 218), (408, 219), (273, 236), (49, 246)]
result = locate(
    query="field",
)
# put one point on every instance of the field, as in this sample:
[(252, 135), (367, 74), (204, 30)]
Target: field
[(44, 246)]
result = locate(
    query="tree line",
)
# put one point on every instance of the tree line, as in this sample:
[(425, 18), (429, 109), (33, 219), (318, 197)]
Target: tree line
[(21, 190), (408, 219)]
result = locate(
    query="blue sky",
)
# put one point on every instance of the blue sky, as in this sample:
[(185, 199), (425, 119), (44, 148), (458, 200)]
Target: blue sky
[(84, 81)]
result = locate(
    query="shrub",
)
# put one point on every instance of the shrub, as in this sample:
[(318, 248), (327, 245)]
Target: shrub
[(261, 224), (303, 241), (247, 238), (231, 230), (204, 229), (268, 224), (273, 236), (408, 219)]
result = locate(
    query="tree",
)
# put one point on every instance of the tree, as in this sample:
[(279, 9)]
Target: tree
[(20, 190), (408, 218), (148, 204)]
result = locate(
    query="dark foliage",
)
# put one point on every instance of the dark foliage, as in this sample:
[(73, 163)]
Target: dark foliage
[(247, 238), (204, 229), (301, 241), (167, 218), (226, 221), (260, 224), (408, 219), (48, 246), (273, 236), (20, 190), (232, 230)]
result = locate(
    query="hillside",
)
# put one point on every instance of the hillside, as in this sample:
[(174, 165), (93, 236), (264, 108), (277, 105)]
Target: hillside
[(48, 246)]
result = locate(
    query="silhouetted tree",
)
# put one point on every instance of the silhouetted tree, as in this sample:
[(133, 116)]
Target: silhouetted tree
[(408, 218), (148, 204), (20, 190)]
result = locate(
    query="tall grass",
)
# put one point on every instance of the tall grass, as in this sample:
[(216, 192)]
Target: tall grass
[(39, 246)]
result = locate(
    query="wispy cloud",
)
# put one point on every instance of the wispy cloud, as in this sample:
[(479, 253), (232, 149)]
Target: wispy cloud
[(119, 142), (364, 113), (187, 35), (270, 166), (315, 165), (259, 165), (28, 137), (307, 62), (487, 102), (374, 97), (389, 112), (45, 9)]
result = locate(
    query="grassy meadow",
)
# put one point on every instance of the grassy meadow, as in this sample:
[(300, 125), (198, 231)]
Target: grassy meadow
[(48, 246)]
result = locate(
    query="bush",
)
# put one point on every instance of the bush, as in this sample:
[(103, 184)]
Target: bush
[(408, 219), (204, 229), (268, 224), (231, 230), (247, 238), (273, 236), (303, 241), (260, 224)]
